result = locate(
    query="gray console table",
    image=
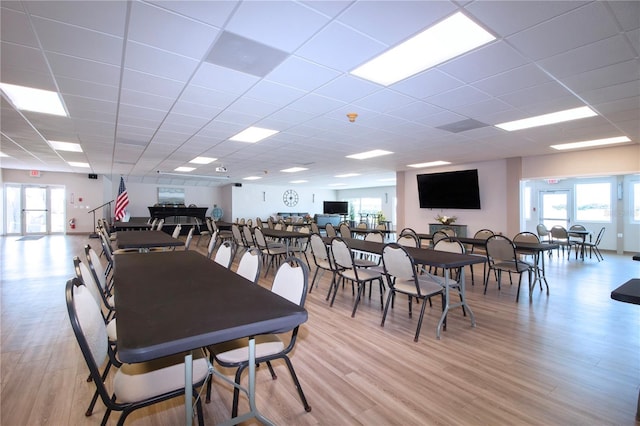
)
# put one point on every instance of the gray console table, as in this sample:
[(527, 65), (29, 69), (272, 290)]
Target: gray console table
[(461, 230)]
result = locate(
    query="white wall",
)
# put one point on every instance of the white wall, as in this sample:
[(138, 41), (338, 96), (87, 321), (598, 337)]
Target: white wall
[(386, 193), (493, 187), (253, 200), (77, 186)]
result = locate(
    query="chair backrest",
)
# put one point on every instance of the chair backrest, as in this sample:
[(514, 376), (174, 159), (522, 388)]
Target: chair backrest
[(381, 226), (449, 231), (318, 248), (187, 242), (314, 228), (599, 237), (212, 243), (176, 231), (237, 235), (526, 237), (342, 255), (542, 230), (374, 236), (90, 331), (330, 230), (247, 232), (450, 245), (224, 255), (154, 223), (250, 222), (439, 235), (258, 238), (210, 226), (577, 228), (250, 264), (258, 222), (345, 231), (241, 222), (410, 231), (84, 275), (501, 249), (160, 225), (278, 226), (399, 267), (408, 240), (483, 234), (559, 233), (97, 270), (291, 279), (362, 225)]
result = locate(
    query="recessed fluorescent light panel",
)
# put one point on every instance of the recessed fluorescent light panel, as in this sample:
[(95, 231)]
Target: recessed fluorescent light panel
[(387, 180), (294, 169), (36, 100), (588, 144), (184, 169), (253, 134), (2, 154), (337, 184), (65, 146), (252, 178), (546, 119), (78, 164), (346, 175), (299, 181), (369, 154), (447, 39), (203, 160), (430, 164)]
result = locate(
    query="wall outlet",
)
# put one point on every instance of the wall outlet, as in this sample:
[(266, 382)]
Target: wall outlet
[(620, 235)]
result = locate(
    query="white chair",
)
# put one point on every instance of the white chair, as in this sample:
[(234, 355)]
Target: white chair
[(187, 242), (271, 253), (212, 244), (289, 282), (176, 231), (160, 225), (250, 264), (320, 258), (134, 385), (225, 253)]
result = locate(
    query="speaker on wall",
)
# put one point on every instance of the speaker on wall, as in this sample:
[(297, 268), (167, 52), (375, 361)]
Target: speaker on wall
[(93, 176), (237, 184)]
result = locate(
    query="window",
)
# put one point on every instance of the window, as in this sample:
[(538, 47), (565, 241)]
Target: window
[(636, 201), (593, 202)]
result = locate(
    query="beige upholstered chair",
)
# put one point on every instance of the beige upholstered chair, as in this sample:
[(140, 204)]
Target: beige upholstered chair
[(402, 278), (250, 264), (502, 258), (290, 282), (134, 385)]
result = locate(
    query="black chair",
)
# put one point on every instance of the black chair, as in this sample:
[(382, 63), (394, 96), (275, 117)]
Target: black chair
[(503, 258), (593, 246)]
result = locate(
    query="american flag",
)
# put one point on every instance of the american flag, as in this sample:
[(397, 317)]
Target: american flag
[(122, 201)]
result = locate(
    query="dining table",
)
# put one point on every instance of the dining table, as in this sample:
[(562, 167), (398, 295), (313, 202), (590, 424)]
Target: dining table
[(145, 240), (130, 226), (287, 236), (427, 257), (178, 302)]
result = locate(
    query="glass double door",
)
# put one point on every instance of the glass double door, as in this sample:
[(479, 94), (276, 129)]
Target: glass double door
[(33, 209), (555, 207)]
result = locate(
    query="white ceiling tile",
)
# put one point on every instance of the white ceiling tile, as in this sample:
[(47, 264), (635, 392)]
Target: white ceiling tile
[(180, 35), (273, 93), (535, 94), (223, 79), (85, 89), (301, 74), (348, 89), (300, 23), (83, 69), (513, 80), (556, 36), (486, 61), (586, 58), (76, 41), (427, 84), (15, 28), (145, 100), (617, 73), (384, 100), (153, 61), (211, 12), (626, 12), (392, 22), (104, 16), (459, 96), (149, 83), (322, 48)]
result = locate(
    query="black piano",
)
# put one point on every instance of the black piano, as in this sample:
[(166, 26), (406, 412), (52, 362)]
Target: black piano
[(163, 212)]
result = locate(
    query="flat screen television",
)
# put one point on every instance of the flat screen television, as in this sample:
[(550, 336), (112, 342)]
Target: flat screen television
[(335, 207), (449, 190)]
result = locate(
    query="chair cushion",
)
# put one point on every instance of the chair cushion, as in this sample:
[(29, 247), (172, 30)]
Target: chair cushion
[(237, 351), (427, 287), (137, 382), (111, 331), (363, 274)]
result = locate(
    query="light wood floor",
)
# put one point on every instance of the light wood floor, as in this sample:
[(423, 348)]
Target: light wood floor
[(570, 358)]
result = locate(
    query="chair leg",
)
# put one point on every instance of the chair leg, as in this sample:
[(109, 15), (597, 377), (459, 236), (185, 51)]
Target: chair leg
[(360, 292), (386, 307), (424, 305), (306, 405)]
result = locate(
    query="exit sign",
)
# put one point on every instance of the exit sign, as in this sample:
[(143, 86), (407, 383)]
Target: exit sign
[(552, 181), (34, 173)]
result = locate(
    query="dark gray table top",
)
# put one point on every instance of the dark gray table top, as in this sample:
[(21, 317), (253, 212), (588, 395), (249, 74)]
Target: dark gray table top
[(171, 302), (146, 239), (628, 292)]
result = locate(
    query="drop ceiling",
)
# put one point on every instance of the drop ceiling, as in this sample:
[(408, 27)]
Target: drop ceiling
[(150, 85)]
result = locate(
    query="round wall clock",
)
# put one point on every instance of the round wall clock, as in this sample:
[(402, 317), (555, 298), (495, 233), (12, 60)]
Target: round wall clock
[(290, 198)]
